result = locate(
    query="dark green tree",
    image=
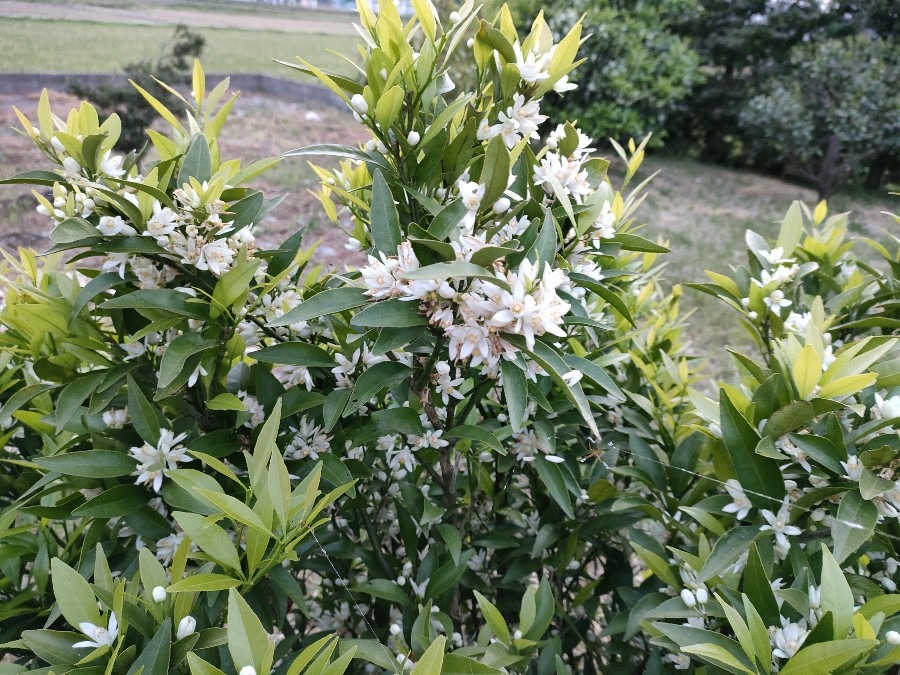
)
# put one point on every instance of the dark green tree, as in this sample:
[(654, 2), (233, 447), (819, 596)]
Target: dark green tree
[(173, 66), (835, 113)]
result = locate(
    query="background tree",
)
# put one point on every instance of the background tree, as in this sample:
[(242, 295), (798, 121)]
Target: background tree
[(173, 66), (837, 111)]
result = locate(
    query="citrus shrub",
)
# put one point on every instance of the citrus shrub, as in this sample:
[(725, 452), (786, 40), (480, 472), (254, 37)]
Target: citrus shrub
[(484, 450), (785, 559)]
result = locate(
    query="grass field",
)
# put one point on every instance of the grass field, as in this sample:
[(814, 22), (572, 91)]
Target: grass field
[(82, 46)]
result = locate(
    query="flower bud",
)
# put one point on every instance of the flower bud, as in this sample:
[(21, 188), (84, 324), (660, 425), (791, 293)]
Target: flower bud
[(501, 205), (454, 17), (395, 630), (702, 596), (359, 105), (159, 593), (71, 165), (186, 627), (413, 138), (893, 637), (688, 598), (248, 670)]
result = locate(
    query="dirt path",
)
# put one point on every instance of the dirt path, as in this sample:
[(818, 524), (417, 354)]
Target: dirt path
[(170, 16)]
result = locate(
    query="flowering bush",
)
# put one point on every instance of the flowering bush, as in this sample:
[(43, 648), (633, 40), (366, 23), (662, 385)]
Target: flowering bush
[(468, 454)]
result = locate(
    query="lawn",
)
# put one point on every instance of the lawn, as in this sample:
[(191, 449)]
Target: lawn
[(83, 46)]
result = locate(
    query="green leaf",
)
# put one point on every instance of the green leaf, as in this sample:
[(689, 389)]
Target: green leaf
[(389, 314), (807, 371), (836, 596), (232, 285), (73, 595), (99, 284), (384, 589), (551, 476), (447, 220), (608, 293), (322, 646), (659, 566), (226, 402), (203, 583), (855, 524), (120, 500), (154, 657), (548, 358), (234, 509), (89, 463), (340, 151), (165, 300), (454, 664), (595, 374), (794, 416), (791, 230), (495, 171), (632, 242), (431, 662), (451, 538), (54, 647), (147, 420), (758, 588), (478, 434), (494, 618), (73, 230), (197, 162), (248, 641), (718, 656), (687, 637), (758, 474), (329, 301), (45, 178), (74, 395), (384, 221), (295, 354), (827, 657), (388, 107), (23, 396), (726, 551), (200, 667), (449, 270), (515, 393), (375, 379), (211, 538), (334, 406), (177, 353)]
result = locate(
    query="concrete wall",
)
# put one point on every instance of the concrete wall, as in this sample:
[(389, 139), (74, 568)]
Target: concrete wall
[(301, 92)]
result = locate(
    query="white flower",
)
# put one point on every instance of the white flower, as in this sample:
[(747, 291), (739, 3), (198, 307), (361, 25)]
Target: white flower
[(162, 223), (563, 85), (99, 636), (199, 372), (166, 547), (360, 106), (186, 627), (680, 661), (788, 639), (572, 377), (472, 194), (776, 300), (379, 277), (532, 66), (446, 384), (115, 418), (447, 84), (215, 256), (159, 593), (111, 226), (154, 462), (775, 256), (779, 524), (558, 171), (112, 165), (469, 340), (253, 406), (886, 408), (853, 467)]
